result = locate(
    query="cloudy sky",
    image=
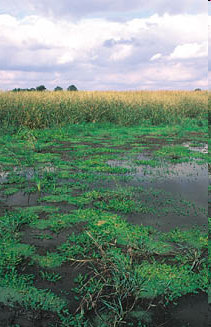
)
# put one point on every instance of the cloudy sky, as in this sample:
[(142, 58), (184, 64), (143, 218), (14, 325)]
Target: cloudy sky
[(209, 43), (104, 44)]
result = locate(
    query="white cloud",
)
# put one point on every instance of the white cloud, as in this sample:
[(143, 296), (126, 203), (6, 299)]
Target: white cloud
[(121, 52), (156, 56), (209, 42), (190, 50), (92, 51)]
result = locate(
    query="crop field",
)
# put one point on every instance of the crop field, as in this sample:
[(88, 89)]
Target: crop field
[(103, 209), (47, 109)]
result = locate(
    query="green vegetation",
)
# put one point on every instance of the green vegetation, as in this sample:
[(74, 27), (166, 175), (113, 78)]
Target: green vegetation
[(92, 230)]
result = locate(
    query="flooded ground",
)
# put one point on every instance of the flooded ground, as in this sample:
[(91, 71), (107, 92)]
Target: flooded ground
[(191, 311), (21, 199), (106, 210), (202, 148), (187, 179), (183, 181)]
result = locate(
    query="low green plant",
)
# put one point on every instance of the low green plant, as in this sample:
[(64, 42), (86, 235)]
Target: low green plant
[(50, 276)]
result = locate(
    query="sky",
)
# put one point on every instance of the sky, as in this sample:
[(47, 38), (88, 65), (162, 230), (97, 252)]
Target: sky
[(209, 44), (104, 44)]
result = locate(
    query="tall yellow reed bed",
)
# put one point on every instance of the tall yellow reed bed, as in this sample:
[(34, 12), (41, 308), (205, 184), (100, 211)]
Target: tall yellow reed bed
[(50, 108)]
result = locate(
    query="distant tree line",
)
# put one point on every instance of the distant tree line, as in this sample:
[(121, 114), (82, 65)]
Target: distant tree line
[(42, 88)]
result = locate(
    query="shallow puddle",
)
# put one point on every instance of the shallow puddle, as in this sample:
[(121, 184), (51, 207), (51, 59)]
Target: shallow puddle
[(27, 172), (3, 177), (183, 181), (166, 223), (189, 180), (203, 148), (191, 311), (21, 199)]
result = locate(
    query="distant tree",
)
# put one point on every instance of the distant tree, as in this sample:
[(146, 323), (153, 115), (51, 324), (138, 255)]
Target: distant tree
[(40, 88), (58, 88), (72, 88), (23, 90), (198, 89)]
